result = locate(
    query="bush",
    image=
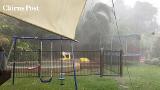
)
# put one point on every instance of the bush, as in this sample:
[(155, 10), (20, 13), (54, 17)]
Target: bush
[(154, 61)]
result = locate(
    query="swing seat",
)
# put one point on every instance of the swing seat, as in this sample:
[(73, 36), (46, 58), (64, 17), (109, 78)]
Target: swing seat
[(33, 68), (4, 76), (46, 81), (61, 78)]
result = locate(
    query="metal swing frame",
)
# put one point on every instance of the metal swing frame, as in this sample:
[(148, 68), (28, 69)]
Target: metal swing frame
[(15, 38), (6, 74), (41, 50)]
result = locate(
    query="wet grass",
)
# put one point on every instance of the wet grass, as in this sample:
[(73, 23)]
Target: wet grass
[(84, 83), (142, 77)]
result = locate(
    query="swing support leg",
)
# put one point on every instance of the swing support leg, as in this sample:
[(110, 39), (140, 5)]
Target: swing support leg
[(14, 64)]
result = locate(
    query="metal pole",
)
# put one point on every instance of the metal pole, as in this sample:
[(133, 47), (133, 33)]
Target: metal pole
[(39, 61), (126, 48), (61, 74), (51, 58), (74, 68), (121, 63), (111, 53), (101, 62), (111, 43), (14, 58)]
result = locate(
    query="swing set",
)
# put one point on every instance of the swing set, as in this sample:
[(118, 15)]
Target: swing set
[(49, 79), (45, 66), (64, 56), (6, 74)]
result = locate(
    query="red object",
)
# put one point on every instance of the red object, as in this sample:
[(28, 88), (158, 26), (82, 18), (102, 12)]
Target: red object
[(142, 59), (33, 68)]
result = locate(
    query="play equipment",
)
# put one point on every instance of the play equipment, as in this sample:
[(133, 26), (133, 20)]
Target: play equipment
[(61, 78), (49, 79), (5, 74), (44, 60), (84, 60), (66, 56), (33, 68), (74, 68)]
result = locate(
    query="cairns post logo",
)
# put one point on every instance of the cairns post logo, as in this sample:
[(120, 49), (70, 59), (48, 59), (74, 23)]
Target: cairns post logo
[(20, 8)]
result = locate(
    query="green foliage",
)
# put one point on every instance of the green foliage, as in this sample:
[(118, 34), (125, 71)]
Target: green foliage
[(3, 41), (154, 61), (10, 27), (93, 31), (139, 19), (23, 46)]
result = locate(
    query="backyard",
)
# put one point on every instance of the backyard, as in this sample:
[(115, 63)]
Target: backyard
[(61, 41), (142, 77)]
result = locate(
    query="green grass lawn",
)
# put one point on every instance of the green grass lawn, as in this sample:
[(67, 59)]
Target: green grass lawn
[(143, 77), (84, 83)]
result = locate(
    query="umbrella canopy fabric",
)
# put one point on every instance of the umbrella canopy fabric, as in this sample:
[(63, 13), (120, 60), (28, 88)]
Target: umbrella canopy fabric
[(58, 16)]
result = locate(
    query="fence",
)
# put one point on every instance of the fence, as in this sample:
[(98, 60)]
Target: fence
[(43, 58), (100, 62)]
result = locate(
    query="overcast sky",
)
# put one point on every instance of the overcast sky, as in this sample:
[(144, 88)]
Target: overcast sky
[(131, 3)]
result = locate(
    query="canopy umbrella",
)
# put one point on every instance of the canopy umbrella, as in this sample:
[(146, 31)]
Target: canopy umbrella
[(58, 16)]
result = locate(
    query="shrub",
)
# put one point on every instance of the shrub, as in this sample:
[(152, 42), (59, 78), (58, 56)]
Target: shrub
[(154, 61)]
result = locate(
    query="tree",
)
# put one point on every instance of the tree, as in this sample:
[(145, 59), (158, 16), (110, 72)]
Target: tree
[(139, 20), (3, 41), (94, 33)]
